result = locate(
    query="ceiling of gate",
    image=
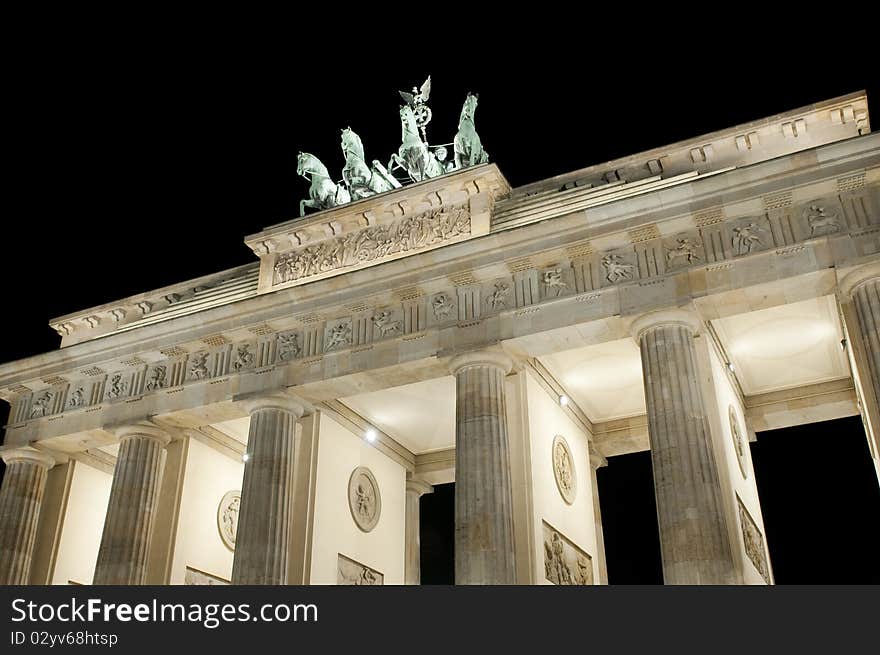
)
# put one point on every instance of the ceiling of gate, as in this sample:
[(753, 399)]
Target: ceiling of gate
[(419, 416), (786, 346)]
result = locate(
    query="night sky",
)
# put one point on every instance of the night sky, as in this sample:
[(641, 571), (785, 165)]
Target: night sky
[(139, 164)]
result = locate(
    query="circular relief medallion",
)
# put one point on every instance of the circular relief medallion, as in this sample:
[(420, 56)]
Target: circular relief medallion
[(227, 517), (364, 500), (563, 469), (739, 443)]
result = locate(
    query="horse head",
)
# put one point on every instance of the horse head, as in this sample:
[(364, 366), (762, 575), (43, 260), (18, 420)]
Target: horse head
[(469, 108), (307, 163), (352, 144), (408, 122)]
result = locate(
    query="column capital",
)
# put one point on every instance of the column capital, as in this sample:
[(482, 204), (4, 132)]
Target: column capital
[(143, 429), (493, 358), (597, 460), (680, 317), (279, 400), (27, 454), (858, 276), (419, 487)]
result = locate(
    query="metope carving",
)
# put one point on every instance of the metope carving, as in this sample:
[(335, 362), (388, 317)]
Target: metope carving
[(117, 386), (158, 378), (77, 398), (337, 335), (554, 282), (499, 296), (41, 404), (821, 221), (244, 357), (616, 269), (385, 324), (685, 252), (288, 346), (373, 243), (747, 238), (442, 306), (198, 366), (364, 499), (350, 572), (753, 541), (564, 562), (564, 470)]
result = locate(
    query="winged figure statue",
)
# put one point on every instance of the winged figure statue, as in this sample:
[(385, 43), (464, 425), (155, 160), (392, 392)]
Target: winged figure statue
[(417, 101)]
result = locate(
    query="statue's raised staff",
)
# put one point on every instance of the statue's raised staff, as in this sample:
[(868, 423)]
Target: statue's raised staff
[(362, 180), (468, 147), (324, 193)]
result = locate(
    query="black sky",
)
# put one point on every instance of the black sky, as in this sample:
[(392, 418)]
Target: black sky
[(135, 162)]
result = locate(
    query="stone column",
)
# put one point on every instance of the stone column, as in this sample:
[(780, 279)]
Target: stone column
[(412, 569), (863, 286), (597, 462), (21, 497), (484, 541), (128, 526), (263, 537), (694, 541)]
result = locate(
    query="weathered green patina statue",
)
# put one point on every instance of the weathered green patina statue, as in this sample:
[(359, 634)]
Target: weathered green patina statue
[(468, 147), (324, 193), (414, 156), (361, 180)]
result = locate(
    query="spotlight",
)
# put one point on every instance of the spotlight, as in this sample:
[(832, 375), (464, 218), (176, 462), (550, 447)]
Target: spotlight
[(371, 434), (730, 367), (843, 344), (563, 400), (245, 457)]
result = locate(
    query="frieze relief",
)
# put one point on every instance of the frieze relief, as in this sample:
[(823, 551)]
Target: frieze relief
[(753, 541), (350, 572), (564, 562), (408, 234)]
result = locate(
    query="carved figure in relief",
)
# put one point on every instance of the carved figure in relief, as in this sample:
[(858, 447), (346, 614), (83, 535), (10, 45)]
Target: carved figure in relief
[(288, 346), (365, 501), (41, 404), (372, 243), (616, 269), (158, 378), (442, 305), (584, 573), (198, 366), (361, 180), (498, 298), (244, 358), (746, 237), (686, 249), (753, 541), (338, 335), (560, 572), (324, 193), (562, 464), (385, 325), (821, 222), (117, 386), (553, 280), (467, 145), (230, 518), (77, 398)]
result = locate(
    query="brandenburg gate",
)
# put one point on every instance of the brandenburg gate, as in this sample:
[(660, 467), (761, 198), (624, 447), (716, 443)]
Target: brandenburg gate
[(423, 322)]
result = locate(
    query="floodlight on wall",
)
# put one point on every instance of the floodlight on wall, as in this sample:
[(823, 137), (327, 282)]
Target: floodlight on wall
[(245, 457), (730, 367), (563, 400), (371, 434)]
